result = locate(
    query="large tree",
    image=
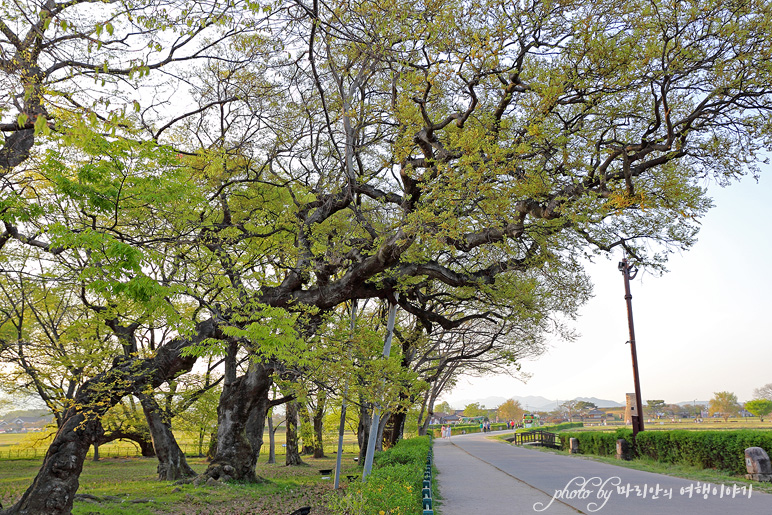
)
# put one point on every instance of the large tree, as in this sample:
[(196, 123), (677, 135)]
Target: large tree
[(468, 153), (724, 404), (759, 407), (763, 392), (510, 410)]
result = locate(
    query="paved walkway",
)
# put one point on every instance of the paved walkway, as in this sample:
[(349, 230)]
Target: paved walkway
[(478, 475)]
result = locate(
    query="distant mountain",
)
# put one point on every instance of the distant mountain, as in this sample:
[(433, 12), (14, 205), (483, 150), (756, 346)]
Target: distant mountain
[(601, 403), (532, 402), (487, 402)]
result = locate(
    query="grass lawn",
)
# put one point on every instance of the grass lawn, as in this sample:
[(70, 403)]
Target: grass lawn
[(709, 424), (128, 486)]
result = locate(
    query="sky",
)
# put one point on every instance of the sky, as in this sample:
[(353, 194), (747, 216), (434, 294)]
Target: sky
[(703, 327)]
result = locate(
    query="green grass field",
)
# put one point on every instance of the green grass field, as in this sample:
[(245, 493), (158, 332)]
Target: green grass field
[(710, 424), (128, 486)]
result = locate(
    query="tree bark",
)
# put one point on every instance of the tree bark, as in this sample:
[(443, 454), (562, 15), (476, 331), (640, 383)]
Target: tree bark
[(381, 428), (143, 440), (293, 456), (363, 430), (396, 428), (306, 430), (172, 464), (271, 441), (423, 423), (321, 399), (53, 490), (16, 149), (234, 458), (256, 424)]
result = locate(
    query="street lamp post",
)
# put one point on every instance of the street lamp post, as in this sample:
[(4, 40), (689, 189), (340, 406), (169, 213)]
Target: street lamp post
[(630, 272)]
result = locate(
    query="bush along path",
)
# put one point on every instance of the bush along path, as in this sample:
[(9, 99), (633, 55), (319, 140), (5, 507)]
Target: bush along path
[(722, 450), (395, 484)]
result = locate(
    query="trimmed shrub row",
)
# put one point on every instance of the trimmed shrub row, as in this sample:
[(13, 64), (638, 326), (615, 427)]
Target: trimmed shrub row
[(599, 443), (723, 450), (707, 449), (394, 486)]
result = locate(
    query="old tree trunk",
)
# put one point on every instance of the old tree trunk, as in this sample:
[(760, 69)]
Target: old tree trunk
[(172, 464), (363, 429), (318, 421), (53, 490), (293, 452), (235, 457)]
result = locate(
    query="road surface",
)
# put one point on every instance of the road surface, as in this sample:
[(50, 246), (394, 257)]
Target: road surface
[(480, 475)]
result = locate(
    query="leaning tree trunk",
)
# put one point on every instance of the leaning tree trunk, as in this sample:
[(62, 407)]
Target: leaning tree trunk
[(138, 437), (172, 464), (234, 458), (293, 456), (321, 399), (426, 407), (53, 490)]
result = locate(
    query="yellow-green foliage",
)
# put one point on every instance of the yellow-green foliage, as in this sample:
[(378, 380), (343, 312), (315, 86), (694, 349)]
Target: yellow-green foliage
[(394, 487)]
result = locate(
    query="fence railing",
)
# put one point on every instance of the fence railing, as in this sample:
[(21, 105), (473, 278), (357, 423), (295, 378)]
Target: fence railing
[(130, 451), (537, 437), (426, 490)]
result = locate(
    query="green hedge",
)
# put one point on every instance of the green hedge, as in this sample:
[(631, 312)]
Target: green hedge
[(394, 486), (723, 450), (600, 443), (707, 449)]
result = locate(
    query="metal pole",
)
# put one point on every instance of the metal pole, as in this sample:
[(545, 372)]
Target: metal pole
[(630, 273), (377, 408), (342, 427)]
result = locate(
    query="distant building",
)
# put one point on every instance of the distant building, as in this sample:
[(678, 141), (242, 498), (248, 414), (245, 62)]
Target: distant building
[(24, 424), (446, 418)]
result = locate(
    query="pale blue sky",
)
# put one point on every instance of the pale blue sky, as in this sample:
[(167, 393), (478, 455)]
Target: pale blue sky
[(703, 327)]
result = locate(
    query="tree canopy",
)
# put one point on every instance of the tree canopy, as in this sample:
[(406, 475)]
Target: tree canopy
[(759, 407), (236, 172), (510, 410), (724, 404)]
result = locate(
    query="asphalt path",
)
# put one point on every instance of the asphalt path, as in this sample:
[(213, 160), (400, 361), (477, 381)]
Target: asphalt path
[(481, 475)]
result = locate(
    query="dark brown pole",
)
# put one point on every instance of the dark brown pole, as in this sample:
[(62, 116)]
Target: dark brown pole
[(625, 268)]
